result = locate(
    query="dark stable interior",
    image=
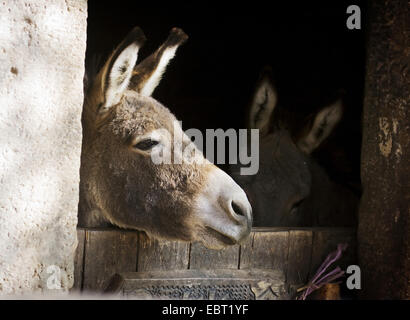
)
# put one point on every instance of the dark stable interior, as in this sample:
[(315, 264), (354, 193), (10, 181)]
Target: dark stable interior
[(314, 57)]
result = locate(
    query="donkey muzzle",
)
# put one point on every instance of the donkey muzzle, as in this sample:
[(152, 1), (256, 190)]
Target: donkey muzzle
[(224, 209)]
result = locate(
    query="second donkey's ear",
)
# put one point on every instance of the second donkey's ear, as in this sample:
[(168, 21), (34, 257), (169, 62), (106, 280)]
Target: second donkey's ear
[(117, 71), (323, 124), (263, 103), (147, 74)]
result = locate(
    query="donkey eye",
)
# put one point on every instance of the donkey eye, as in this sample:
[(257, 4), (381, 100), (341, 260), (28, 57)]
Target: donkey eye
[(146, 144), (295, 207)]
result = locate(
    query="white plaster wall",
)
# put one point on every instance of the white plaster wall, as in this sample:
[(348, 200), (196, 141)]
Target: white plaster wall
[(42, 50)]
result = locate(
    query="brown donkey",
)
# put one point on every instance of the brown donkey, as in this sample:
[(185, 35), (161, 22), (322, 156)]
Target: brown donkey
[(121, 184), (290, 188)]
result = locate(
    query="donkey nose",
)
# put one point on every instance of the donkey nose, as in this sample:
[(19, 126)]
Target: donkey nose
[(238, 210), (223, 209), (241, 211)]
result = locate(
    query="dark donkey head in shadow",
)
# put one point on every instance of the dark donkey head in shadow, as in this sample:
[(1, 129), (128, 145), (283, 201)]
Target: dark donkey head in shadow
[(124, 127), (290, 188)]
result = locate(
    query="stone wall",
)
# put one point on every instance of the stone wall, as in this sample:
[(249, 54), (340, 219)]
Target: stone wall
[(42, 50)]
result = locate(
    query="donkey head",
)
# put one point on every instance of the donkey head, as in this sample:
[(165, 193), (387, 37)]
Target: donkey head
[(124, 128), (290, 189)]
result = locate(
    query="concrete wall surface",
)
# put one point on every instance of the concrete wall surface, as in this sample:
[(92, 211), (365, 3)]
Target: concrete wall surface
[(42, 50)]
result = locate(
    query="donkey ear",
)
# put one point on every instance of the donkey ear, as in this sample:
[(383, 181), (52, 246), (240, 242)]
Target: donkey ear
[(147, 75), (117, 71), (263, 103), (323, 124)]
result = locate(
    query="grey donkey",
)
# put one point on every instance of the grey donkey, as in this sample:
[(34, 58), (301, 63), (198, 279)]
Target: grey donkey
[(123, 127), (290, 188)]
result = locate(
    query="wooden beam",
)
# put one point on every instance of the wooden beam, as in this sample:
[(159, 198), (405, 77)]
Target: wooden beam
[(158, 255), (108, 252), (384, 215)]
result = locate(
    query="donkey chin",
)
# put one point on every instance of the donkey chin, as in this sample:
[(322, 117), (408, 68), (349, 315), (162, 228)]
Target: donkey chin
[(223, 212)]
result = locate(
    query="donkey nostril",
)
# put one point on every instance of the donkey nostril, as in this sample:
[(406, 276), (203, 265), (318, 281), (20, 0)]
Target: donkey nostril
[(237, 209)]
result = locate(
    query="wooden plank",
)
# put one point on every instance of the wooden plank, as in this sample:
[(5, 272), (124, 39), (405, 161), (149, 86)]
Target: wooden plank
[(295, 252), (157, 255), (265, 250), (326, 240), (78, 261), (220, 284), (108, 252), (299, 259), (203, 258)]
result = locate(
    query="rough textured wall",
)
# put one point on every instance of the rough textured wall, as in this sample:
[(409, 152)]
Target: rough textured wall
[(42, 49), (384, 219)]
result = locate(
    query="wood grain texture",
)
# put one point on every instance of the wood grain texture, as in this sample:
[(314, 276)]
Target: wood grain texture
[(79, 261), (108, 252), (294, 252), (300, 254), (384, 214), (220, 284), (203, 258), (157, 255), (325, 241), (265, 250)]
